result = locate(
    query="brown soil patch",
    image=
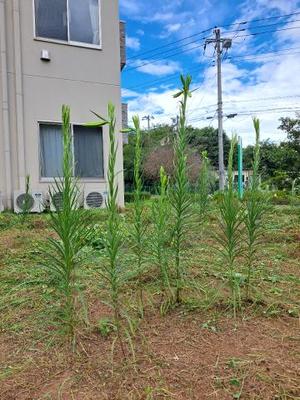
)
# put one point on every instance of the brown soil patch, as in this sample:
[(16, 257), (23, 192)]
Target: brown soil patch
[(181, 357)]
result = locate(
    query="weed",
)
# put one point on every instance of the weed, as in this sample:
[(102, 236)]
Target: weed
[(111, 271), (161, 236), (203, 184), (231, 229), (139, 226), (62, 256), (256, 207), (180, 197), (105, 327), (26, 203)]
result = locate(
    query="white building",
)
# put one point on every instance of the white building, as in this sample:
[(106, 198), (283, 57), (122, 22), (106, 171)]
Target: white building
[(55, 52)]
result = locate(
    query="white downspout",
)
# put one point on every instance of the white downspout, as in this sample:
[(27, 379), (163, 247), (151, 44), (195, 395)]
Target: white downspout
[(5, 108), (19, 94)]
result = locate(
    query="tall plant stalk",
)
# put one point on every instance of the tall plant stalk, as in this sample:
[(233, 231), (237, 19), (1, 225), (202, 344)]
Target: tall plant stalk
[(160, 238), (26, 203), (255, 209), (231, 226), (203, 185), (139, 229), (70, 224), (180, 198), (111, 270)]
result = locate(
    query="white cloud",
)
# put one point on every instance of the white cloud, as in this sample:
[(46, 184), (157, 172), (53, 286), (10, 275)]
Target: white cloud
[(157, 68), (245, 91), (133, 43), (173, 27), (129, 93), (169, 30), (276, 77), (130, 7)]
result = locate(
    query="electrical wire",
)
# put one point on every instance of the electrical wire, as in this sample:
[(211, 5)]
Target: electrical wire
[(137, 56), (245, 56), (251, 112), (196, 47)]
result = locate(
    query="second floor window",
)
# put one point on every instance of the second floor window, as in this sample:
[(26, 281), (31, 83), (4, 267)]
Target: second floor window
[(72, 21)]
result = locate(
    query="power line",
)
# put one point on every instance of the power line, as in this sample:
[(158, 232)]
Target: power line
[(196, 47), (175, 76), (262, 26), (210, 29), (261, 19), (169, 44), (164, 58), (172, 49), (269, 56), (270, 31), (191, 111), (251, 112), (197, 40)]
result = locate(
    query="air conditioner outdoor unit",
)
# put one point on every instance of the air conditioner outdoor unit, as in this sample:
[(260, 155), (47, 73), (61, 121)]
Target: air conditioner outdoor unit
[(56, 201), (94, 199), (33, 202)]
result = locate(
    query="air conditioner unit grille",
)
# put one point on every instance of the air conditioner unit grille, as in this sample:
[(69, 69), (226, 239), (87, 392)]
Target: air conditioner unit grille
[(94, 200), (57, 200), (25, 201)]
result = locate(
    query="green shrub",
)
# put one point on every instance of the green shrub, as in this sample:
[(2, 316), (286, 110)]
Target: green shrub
[(282, 197), (129, 196), (96, 237)]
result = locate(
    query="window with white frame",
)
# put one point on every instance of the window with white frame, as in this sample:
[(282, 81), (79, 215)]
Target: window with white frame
[(72, 21), (87, 151)]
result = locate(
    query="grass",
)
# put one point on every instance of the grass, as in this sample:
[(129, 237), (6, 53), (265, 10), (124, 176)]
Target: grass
[(194, 350)]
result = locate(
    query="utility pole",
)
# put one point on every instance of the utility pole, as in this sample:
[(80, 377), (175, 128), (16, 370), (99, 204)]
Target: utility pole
[(175, 122), (220, 45), (148, 118)]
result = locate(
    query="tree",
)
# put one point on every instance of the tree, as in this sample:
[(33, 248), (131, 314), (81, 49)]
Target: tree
[(280, 163), (163, 156), (206, 139), (292, 127)]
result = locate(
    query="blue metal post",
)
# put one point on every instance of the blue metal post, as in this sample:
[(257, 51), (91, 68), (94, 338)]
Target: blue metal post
[(240, 168)]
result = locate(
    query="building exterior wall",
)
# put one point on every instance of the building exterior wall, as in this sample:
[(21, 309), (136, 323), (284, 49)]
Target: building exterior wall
[(82, 77)]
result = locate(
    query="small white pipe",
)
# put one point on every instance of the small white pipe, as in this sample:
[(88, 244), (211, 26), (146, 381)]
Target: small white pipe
[(19, 95), (5, 108)]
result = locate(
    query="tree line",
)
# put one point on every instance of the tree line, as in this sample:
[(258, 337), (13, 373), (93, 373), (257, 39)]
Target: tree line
[(280, 162)]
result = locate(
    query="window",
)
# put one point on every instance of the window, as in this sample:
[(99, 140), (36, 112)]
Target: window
[(51, 149), (87, 151), (73, 21)]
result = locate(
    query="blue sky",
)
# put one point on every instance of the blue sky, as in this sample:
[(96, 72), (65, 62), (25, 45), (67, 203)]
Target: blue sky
[(260, 72)]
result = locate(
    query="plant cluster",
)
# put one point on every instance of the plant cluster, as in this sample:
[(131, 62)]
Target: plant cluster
[(61, 255), (160, 236)]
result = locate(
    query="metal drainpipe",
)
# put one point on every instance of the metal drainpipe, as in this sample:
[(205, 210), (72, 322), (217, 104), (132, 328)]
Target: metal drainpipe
[(19, 94), (5, 109)]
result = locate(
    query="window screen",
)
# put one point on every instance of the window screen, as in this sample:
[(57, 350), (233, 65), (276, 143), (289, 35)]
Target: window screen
[(51, 150), (72, 20), (84, 21), (88, 152), (51, 19)]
